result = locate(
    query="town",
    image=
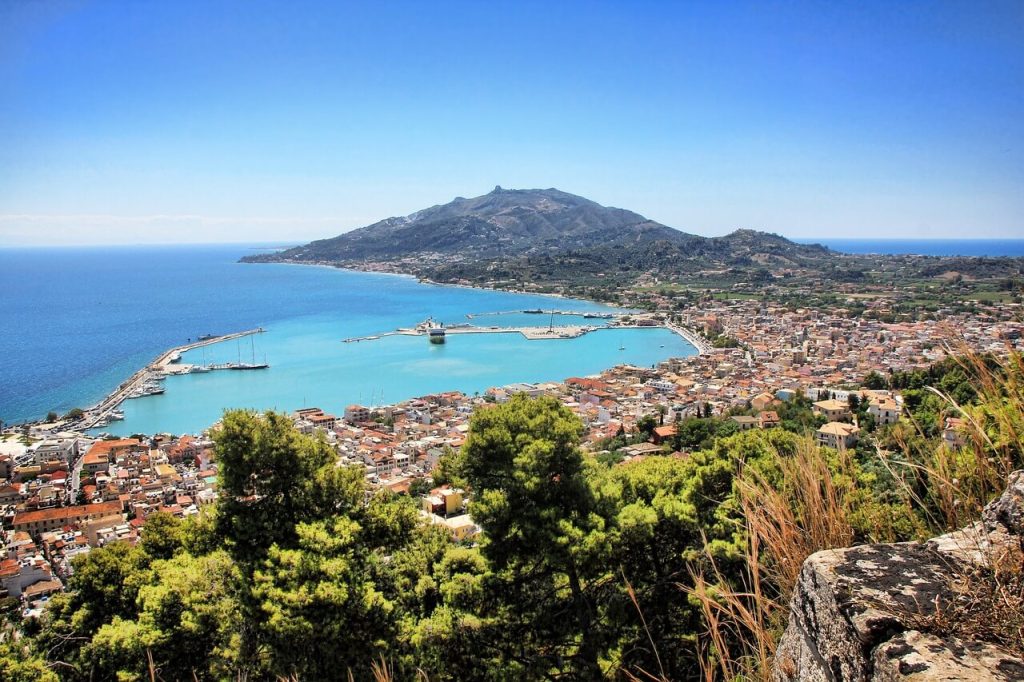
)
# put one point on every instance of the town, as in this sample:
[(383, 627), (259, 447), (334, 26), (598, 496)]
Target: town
[(63, 492)]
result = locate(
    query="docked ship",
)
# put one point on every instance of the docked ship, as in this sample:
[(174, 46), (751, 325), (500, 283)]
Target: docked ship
[(435, 330)]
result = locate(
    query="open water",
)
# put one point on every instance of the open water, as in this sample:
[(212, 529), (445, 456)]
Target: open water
[(74, 323), (925, 247)]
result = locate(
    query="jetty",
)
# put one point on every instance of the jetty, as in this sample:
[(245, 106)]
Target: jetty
[(589, 314), (163, 365), (552, 331), (374, 337)]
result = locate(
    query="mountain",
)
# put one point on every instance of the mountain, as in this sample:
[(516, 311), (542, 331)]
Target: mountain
[(501, 223), (529, 223)]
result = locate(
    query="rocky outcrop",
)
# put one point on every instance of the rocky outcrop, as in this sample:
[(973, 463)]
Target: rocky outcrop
[(859, 613)]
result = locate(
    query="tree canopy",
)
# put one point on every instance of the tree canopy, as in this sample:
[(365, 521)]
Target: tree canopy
[(301, 571)]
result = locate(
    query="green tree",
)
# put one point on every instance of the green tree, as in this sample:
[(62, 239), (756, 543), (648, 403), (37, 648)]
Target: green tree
[(19, 664), (875, 381), (524, 467), (191, 616), (162, 535), (646, 425), (692, 432), (272, 478), (653, 530), (322, 613), (445, 472), (101, 593)]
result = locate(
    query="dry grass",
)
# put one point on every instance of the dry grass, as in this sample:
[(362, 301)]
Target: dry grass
[(740, 640), (807, 510), (963, 480), (987, 604), (803, 512), (960, 481)]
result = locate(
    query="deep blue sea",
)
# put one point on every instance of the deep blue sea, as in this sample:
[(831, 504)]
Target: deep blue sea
[(925, 247), (76, 322)]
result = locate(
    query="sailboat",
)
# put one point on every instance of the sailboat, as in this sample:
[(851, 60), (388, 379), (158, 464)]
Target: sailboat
[(203, 368), (249, 365)]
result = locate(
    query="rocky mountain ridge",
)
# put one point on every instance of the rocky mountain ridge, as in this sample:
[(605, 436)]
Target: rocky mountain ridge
[(528, 223)]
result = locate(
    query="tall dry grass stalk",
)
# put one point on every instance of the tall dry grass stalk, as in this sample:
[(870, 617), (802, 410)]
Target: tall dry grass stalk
[(994, 425), (802, 511), (739, 641), (805, 512), (959, 481)]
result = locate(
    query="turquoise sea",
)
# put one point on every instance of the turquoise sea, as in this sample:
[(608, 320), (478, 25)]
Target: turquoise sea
[(77, 322)]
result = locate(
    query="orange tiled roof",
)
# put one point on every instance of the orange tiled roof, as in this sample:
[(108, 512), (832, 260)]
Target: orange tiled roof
[(102, 509)]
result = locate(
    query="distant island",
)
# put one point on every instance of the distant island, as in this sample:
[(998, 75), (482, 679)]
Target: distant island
[(550, 241)]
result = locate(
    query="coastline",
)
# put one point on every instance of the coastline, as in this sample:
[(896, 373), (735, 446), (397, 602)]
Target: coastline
[(699, 343), (427, 280)]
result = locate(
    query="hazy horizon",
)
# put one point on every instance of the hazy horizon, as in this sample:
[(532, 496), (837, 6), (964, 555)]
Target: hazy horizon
[(242, 122)]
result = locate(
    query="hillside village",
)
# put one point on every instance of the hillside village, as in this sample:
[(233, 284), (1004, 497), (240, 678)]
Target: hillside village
[(63, 493)]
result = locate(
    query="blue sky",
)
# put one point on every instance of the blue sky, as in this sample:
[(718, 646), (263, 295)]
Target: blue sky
[(133, 122)]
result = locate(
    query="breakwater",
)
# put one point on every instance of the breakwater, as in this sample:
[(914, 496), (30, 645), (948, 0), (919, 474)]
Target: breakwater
[(100, 413), (552, 331)]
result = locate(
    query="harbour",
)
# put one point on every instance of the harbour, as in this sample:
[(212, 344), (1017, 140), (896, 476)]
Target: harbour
[(147, 381), (310, 311)]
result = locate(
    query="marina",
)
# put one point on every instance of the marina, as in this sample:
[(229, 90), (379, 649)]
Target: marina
[(147, 381)]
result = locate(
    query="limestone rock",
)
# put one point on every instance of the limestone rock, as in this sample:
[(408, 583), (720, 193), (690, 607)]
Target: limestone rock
[(916, 656), (854, 610), (1008, 509)]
